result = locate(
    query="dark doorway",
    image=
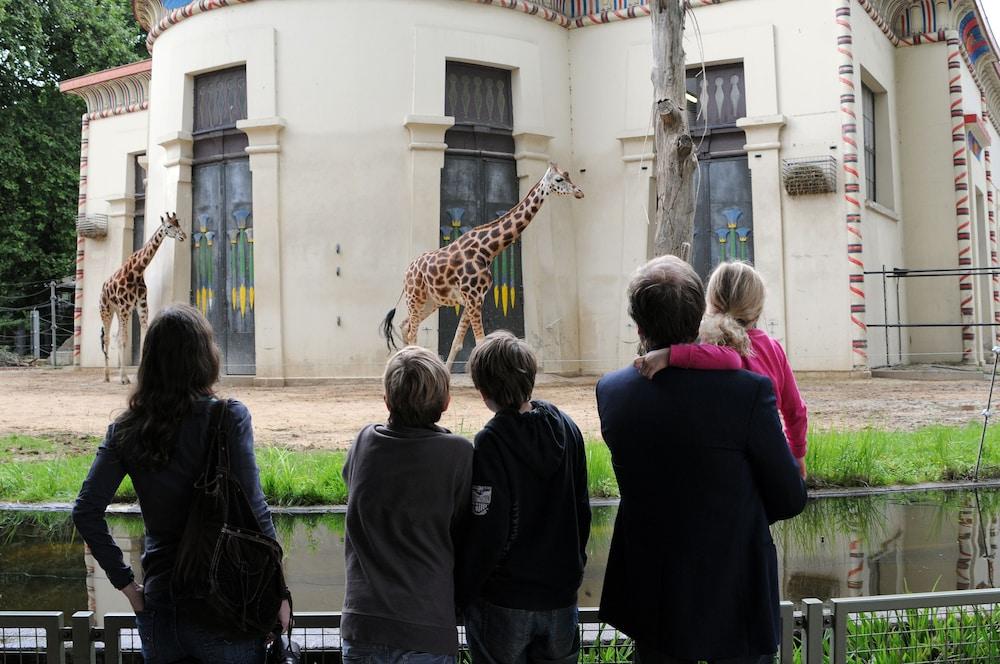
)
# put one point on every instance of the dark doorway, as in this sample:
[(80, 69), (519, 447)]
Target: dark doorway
[(479, 184), (222, 274), (723, 227)]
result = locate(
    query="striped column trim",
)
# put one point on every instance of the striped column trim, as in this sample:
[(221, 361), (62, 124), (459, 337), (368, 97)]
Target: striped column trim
[(963, 218), (852, 187), (994, 261), (81, 208)]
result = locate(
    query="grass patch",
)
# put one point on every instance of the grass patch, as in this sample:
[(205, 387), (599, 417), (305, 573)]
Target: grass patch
[(36, 469), (883, 458)]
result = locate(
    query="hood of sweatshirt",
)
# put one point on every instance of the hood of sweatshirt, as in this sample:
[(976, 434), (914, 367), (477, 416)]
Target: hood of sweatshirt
[(537, 437)]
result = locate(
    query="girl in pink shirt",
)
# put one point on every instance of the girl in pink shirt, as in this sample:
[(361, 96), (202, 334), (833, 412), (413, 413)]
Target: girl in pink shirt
[(731, 340)]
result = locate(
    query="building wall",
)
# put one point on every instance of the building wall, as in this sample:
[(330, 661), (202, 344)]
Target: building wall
[(799, 243), (356, 163), (113, 143), (346, 146)]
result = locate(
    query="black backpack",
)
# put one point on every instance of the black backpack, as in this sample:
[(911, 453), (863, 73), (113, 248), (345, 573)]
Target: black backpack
[(227, 571)]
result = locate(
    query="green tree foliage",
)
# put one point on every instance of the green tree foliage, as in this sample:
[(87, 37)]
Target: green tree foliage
[(43, 42)]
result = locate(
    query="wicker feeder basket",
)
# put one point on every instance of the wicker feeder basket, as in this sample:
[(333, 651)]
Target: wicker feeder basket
[(94, 226), (809, 175)]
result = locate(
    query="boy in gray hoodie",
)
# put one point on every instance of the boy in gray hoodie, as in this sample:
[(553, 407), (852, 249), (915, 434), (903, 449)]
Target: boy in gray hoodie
[(408, 487), (522, 556)]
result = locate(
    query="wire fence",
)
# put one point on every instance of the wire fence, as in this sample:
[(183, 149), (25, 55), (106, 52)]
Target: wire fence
[(35, 317)]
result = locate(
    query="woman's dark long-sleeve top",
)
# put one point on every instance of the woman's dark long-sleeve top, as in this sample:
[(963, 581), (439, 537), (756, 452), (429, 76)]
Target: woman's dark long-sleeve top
[(164, 495)]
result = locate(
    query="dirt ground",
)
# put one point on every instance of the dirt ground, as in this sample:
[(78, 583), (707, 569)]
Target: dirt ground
[(69, 404)]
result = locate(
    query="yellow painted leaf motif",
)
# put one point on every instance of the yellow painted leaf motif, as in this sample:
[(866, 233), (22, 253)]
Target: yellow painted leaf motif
[(234, 301), (496, 296), (456, 309), (243, 300), (513, 297), (251, 298), (503, 297)]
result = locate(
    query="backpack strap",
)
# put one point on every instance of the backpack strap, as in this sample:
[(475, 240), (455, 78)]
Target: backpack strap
[(216, 449)]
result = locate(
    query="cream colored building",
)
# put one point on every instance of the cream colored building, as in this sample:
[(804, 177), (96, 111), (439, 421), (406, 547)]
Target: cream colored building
[(321, 145)]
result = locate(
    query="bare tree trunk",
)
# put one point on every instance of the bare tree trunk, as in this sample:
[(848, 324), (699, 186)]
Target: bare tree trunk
[(676, 160)]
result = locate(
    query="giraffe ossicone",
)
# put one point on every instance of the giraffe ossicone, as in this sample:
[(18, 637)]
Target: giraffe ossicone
[(125, 291), (458, 274)]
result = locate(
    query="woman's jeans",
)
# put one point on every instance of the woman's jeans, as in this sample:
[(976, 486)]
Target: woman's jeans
[(170, 635), (367, 653), (498, 635)]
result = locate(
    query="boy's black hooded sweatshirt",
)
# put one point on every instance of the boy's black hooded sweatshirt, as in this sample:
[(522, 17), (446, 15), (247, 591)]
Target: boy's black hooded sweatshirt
[(525, 546)]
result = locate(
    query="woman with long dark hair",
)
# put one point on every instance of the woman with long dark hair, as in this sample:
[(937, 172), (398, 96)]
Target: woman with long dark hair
[(160, 443)]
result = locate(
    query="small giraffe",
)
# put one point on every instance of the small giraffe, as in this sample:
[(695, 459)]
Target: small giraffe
[(125, 290), (459, 273)]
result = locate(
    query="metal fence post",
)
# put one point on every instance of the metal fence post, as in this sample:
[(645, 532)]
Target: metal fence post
[(83, 645), (812, 642), (838, 642), (52, 308), (787, 646), (114, 623), (36, 334), (55, 651)]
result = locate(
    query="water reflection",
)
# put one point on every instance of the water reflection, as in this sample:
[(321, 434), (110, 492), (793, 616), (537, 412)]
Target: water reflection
[(836, 548)]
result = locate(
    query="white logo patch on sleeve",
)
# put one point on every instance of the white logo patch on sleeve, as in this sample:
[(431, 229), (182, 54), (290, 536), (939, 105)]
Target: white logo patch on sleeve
[(481, 497)]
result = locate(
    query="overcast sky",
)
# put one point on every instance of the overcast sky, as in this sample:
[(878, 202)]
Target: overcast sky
[(992, 9)]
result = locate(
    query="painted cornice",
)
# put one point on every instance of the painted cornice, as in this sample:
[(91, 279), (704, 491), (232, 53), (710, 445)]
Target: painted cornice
[(913, 22), (153, 18), (114, 91)]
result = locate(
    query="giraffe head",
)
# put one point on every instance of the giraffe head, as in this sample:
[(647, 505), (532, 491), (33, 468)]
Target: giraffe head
[(556, 181), (172, 227)]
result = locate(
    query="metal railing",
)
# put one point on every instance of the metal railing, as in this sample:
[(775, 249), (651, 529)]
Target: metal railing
[(896, 275), (953, 626)]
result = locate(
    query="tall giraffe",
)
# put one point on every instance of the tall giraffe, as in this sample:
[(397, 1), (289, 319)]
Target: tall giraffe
[(125, 290), (459, 273)]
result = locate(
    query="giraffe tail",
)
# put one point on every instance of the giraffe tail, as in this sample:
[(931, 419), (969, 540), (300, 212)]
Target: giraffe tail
[(388, 330), (103, 349)]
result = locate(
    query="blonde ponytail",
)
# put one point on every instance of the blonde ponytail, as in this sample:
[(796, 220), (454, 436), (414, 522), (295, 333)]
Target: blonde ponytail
[(735, 297), (724, 330)]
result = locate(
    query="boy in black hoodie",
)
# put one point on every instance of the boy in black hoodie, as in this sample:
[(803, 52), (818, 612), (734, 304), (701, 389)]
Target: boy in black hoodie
[(522, 560)]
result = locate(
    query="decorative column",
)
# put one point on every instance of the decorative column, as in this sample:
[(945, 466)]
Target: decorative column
[(994, 262), (179, 150), (852, 198), (427, 148), (762, 146), (638, 233), (264, 150), (963, 219), (81, 243), (541, 260), (121, 213)]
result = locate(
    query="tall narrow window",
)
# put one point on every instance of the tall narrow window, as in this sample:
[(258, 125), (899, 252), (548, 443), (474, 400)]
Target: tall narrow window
[(723, 222), (222, 274), (868, 117), (138, 237), (478, 185)]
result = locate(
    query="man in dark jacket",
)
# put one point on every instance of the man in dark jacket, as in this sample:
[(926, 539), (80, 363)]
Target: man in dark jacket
[(703, 469), (523, 555)]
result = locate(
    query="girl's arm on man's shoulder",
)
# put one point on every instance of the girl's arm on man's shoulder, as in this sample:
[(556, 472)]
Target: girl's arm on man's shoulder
[(689, 356)]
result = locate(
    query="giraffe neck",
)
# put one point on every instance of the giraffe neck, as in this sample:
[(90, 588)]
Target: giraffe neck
[(512, 224), (145, 254)]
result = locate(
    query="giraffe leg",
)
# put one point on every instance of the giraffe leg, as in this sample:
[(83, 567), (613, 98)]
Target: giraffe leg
[(106, 341), (123, 323), (412, 325), (476, 319), (456, 345)]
